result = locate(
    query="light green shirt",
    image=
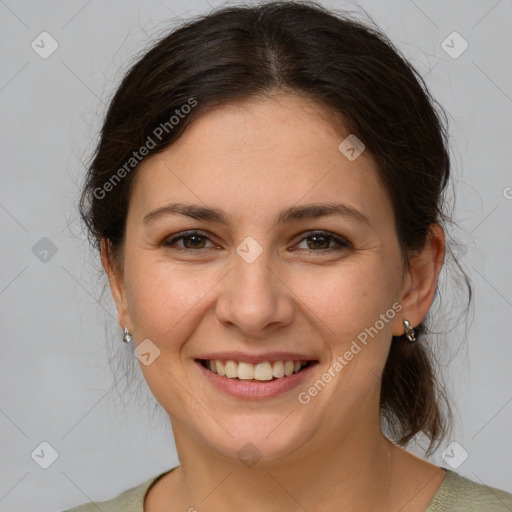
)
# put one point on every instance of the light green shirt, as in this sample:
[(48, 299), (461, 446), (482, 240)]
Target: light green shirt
[(456, 494)]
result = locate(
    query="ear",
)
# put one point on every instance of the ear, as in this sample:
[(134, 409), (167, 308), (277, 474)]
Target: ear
[(421, 280), (117, 287)]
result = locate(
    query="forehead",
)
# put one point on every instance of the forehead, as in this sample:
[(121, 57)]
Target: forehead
[(257, 157)]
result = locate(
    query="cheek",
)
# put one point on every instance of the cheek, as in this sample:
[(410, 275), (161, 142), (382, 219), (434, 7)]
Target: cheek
[(160, 299), (347, 307), (349, 298), (167, 302)]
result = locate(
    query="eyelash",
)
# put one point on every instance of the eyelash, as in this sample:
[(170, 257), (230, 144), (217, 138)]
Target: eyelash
[(343, 243)]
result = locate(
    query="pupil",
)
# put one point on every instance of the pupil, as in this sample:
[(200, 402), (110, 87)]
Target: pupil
[(194, 237), (316, 238)]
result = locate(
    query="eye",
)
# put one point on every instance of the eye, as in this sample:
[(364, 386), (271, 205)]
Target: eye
[(322, 239), (193, 240)]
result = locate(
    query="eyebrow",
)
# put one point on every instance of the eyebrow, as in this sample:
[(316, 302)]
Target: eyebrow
[(288, 216)]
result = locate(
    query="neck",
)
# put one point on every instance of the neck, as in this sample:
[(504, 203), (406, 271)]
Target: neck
[(354, 472)]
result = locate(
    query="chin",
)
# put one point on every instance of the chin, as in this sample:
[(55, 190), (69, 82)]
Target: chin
[(261, 443)]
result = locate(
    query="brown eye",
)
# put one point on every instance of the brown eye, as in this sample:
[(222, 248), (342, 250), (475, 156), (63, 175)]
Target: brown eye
[(192, 240), (320, 242), (317, 242)]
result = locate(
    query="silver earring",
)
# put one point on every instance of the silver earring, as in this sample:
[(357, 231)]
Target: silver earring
[(409, 331), (127, 335)]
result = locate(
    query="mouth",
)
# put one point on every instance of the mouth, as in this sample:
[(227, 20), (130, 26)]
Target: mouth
[(262, 380), (265, 371)]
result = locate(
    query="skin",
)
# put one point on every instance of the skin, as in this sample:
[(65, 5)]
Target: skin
[(252, 160)]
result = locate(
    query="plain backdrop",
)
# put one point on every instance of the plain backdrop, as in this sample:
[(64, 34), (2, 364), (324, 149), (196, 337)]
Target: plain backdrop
[(56, 382)]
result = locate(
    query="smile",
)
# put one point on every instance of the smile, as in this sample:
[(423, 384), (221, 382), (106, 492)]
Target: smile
[(264, 371)]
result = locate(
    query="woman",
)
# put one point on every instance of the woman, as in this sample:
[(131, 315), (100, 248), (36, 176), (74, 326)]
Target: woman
[(267, 199)]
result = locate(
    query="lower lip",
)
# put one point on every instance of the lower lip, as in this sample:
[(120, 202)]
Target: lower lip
[(251, 389)]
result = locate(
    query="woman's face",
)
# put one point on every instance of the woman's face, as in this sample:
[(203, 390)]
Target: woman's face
[(261, 287)]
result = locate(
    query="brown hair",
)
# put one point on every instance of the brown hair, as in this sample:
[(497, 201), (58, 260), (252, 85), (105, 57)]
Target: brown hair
[(350, 68)]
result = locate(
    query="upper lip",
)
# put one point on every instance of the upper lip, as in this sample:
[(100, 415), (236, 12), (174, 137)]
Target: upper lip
[(256, 358)]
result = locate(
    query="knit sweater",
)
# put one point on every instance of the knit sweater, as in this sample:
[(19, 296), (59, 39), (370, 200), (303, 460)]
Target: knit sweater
[(456, 494)]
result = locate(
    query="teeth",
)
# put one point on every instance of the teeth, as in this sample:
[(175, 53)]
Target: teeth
[(262, 371), (245, 371), (231, 369), (279, 369), (220, 367)]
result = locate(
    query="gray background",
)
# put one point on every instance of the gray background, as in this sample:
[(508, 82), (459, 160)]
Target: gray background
[(56, 383)]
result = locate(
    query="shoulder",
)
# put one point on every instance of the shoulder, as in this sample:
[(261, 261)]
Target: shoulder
[(458, 493), (131, 500)]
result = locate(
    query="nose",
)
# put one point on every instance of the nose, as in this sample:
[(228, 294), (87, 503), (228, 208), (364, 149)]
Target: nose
[(254, 296)]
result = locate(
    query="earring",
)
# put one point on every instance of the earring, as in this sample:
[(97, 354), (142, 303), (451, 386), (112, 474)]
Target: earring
[(127, 335), (409, 331)]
